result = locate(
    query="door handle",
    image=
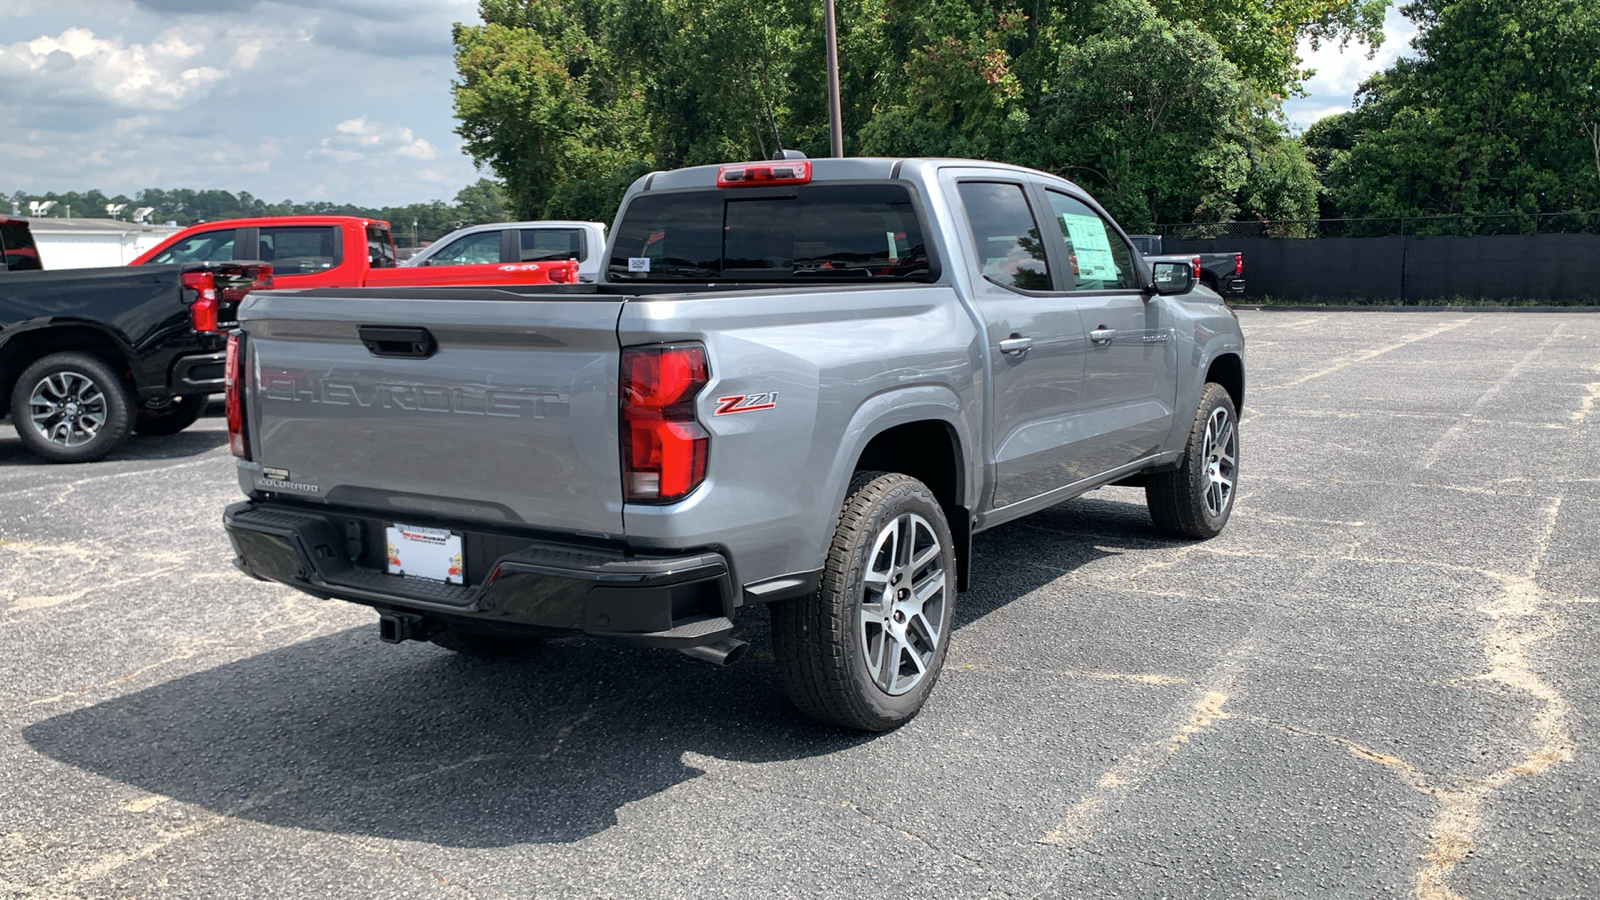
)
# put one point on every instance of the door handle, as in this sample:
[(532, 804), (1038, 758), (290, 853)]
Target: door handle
[(1016, 345), (1103, 335)]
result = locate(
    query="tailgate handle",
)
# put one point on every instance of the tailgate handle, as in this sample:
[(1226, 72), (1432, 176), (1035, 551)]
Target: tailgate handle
[(393, 341)]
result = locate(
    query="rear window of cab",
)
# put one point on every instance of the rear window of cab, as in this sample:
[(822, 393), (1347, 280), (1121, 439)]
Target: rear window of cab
[(814, 232)]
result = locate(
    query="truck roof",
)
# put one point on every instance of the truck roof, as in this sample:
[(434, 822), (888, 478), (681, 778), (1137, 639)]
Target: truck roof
[(864, 168), (262, 221)]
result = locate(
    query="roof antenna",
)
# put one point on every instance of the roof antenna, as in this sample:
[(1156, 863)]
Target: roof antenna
[(777, 139)]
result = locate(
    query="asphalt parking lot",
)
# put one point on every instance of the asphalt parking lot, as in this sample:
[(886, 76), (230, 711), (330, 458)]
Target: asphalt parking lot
[(1379, 682)]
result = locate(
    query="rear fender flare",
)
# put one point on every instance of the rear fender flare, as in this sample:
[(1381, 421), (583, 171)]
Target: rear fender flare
[(881, 412), (34, 339)]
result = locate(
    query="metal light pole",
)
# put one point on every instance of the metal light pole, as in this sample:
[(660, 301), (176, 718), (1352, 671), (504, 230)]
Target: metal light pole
[(835, 130)]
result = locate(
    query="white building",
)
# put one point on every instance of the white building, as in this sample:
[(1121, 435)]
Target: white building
[(92, 243)]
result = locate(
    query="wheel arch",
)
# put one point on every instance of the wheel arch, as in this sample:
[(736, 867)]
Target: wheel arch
[(27, 346), (1227, 369), (917, 432)]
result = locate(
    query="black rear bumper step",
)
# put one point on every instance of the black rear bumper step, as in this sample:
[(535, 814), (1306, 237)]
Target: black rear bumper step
[(546, 586)]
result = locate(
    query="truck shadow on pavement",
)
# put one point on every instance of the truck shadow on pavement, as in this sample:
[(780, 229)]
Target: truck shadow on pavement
[(342, 734), (194, 441), (182, 445)]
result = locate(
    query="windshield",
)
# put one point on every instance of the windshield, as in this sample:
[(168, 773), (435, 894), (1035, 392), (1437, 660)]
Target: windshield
[(809, 233), (207, 246)]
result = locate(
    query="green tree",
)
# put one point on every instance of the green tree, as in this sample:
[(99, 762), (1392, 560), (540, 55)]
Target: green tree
[(1487, 119), (482, 202)]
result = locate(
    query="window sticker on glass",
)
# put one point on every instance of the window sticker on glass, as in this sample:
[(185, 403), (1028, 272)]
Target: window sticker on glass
[(638, 264), (1090, 246)]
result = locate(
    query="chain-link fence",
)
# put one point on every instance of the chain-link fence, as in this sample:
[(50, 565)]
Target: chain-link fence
[(1396, 226)]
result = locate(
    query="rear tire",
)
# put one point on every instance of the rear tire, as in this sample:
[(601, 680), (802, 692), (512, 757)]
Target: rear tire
[(72, 408), (483, 646), (163, 417), (864, 650), (1196, 499)]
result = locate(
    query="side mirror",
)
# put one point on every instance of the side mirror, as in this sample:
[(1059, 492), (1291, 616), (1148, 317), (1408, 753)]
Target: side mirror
[(1172, 278)]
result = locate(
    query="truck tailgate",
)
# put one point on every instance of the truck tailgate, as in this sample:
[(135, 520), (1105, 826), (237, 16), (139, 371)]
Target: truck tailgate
[(473, 403)]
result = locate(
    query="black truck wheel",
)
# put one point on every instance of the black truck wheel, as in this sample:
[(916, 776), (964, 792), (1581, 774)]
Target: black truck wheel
[(1195, 499), (72, 408), (865, 649), (169, 415), (482, 646)]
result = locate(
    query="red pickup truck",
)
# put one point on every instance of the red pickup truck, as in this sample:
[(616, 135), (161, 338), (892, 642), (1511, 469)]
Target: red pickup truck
[(334, 252)]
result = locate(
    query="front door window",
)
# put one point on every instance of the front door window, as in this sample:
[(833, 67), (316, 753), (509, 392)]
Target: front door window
[(470, 250)]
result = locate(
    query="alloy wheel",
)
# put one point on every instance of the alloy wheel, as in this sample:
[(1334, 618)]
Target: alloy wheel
[(902, 607), (1221, 454), (67, 408)]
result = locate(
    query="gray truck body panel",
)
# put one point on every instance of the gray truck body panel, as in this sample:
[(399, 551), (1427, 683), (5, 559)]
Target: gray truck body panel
[(514, 420)]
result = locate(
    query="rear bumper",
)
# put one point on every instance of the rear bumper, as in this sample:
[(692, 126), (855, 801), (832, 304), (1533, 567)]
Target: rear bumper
[(199, 373), (541, 587)]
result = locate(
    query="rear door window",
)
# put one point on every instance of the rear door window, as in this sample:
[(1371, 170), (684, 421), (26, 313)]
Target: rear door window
[(380, 247), (818, 232), (469, 250), (204, 246), (299, 249), (552, 243), (1010, 250)]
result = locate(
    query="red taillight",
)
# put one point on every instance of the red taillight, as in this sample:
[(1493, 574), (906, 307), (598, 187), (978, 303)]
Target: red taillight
[(203, 311), (1195, 264), (759, 174), (663, 447), (1238, 264), (233, 391)]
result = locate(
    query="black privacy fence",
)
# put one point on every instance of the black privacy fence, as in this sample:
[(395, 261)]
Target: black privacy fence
[(1549, 259), (1396, 226)]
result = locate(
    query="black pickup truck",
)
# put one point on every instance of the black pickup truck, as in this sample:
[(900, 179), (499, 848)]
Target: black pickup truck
[(89, 356), (1221, 272)]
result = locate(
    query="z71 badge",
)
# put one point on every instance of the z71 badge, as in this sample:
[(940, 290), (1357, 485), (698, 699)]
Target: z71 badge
[(740, 403)]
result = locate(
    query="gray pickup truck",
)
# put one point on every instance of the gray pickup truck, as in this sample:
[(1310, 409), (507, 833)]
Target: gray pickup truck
[(798, 384)]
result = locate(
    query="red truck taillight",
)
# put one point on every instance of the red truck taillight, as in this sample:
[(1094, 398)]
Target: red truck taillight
[(663, 446), (232, 372), (1195, 264), (1238, 264), (203, 311)]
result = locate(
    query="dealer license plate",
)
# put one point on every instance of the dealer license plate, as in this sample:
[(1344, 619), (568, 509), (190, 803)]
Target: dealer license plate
[(431, 553)]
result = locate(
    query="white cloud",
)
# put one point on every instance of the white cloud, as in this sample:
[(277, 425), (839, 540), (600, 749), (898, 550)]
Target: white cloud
[(357, 139), (1339, 72), (75, 62)]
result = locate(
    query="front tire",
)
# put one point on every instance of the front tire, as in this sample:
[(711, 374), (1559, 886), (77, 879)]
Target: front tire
[(169, 416), (1196, 499), (72, 408), (864, 650)]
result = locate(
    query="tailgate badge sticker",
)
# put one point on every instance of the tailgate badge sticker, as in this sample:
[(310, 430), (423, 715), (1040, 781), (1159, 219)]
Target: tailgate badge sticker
[(278, 480), (742, 403)]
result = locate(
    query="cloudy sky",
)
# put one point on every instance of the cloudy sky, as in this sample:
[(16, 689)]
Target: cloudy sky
[(1339, 72), (342, 100)]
